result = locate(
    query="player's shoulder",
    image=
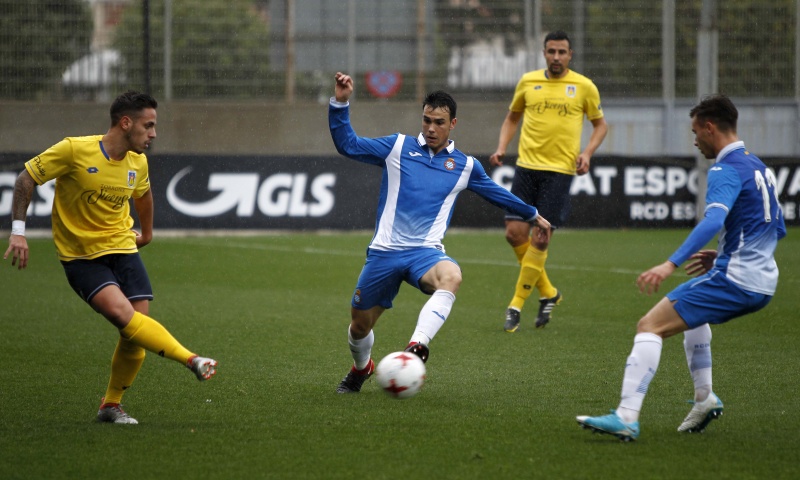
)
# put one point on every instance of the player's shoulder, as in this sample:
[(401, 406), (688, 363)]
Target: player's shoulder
[(741, 158), (80, 140), (574, 77), (534, 76)]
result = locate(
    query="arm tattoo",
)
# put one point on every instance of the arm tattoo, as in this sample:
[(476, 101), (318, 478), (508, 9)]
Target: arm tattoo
[(23, 193)]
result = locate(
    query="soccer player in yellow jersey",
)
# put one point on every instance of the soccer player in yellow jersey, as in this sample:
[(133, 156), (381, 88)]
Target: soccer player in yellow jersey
[(96, 177), (553, 103)]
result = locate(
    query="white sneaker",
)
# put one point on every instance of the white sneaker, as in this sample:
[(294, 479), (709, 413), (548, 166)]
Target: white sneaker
[(114, 414), (203, 367), (701, 414)]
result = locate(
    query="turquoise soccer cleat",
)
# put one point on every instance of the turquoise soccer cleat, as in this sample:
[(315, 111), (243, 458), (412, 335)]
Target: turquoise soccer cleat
[(611, 424)]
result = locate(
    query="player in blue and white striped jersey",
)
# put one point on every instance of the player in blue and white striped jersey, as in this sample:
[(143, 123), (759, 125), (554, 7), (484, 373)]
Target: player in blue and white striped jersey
[(422, 176), (738, 278)]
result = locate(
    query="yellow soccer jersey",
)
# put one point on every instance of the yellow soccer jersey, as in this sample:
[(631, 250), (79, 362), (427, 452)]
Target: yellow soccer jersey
[(553, 119), (91, 209)]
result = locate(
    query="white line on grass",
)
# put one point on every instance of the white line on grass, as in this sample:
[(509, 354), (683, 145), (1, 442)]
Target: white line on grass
[(461, 260)]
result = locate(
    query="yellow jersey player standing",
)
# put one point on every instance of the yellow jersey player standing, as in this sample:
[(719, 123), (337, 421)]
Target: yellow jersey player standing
[(96, 177), (553, 103)]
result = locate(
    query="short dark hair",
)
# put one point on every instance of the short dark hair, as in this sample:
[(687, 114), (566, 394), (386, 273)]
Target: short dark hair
[(558, 35), (717, 109), (129, 104), (441, 99)]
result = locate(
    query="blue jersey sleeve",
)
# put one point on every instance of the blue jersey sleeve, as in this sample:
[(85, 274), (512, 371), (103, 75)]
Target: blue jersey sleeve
[(701, 234), (367, 150), (486, 188), (724, 186)]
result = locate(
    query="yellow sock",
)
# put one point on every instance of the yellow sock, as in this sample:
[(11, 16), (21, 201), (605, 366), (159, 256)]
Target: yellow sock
[(520, 250), (153, 337), (529, 273), (125, 364), (546, 289)]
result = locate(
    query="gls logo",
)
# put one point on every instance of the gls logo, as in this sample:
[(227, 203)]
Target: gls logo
[(279, 195)]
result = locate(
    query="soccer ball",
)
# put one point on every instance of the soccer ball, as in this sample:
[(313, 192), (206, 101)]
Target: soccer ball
[(400, 374)]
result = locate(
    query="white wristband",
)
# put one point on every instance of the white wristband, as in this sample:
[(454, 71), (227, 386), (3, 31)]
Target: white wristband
[(18, 227)]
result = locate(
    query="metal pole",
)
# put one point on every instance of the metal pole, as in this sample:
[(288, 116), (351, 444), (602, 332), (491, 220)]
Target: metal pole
[(707, 48), (421, 40), (290, 54), (538, 33), (168, 49), (579, 32), (351, 38), (146, 40), (797, 70), (529, 48), (668, 72)]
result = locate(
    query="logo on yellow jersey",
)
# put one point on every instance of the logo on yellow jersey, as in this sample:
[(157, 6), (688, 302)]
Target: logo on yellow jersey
[(571, 90), (131, 178)]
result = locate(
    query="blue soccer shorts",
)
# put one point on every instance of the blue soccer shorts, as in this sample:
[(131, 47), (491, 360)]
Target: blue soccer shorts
[(384, 272), (87, 277), (712, 298)]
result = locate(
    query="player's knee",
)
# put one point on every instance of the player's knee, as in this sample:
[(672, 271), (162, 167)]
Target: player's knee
[(515, 237), (361, 323), (540, 244), (358, 330)]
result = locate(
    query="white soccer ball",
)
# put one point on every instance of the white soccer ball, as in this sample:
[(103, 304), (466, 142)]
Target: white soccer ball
[(400, 374)]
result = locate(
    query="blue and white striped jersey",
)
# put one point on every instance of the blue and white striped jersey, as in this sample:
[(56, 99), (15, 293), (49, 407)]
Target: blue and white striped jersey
[(418, 191), (745, 188)]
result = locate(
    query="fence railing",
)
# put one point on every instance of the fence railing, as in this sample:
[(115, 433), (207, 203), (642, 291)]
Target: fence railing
[(279, 50)]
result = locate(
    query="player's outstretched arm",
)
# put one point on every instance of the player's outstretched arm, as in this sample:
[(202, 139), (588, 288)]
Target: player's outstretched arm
[(17, 244)]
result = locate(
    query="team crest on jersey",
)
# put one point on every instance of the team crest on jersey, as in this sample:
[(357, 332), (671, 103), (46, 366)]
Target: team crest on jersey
[(449, 164), (92, 170), (131, 178), (571, 89)]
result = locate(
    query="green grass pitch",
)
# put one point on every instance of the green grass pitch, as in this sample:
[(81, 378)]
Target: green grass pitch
[(274, 311)]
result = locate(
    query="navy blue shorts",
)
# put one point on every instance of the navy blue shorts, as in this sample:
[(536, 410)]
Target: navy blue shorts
[(712, 298), (87, 277), (547, 191), (384, 272)]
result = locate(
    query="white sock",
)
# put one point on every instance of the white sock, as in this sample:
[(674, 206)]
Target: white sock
[(697, 345), (639, 371), (361, 349), (432, 316)]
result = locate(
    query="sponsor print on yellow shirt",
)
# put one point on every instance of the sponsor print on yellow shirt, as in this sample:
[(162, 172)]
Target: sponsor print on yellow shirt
[(91, 209), (554, 110)]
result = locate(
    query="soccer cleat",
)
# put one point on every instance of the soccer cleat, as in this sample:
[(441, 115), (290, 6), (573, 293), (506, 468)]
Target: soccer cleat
[(113, 413), (546, 306), (701, 415), (354, 380), (611, 424), (419, 349), (203, 367), (512, 320)]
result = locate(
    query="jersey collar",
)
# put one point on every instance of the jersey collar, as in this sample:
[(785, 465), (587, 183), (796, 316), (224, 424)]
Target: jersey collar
[(103, 149), (728, 149), (451, 145)]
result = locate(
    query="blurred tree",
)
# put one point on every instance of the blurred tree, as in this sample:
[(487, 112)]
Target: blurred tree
[(31, 63), (220, 48)]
